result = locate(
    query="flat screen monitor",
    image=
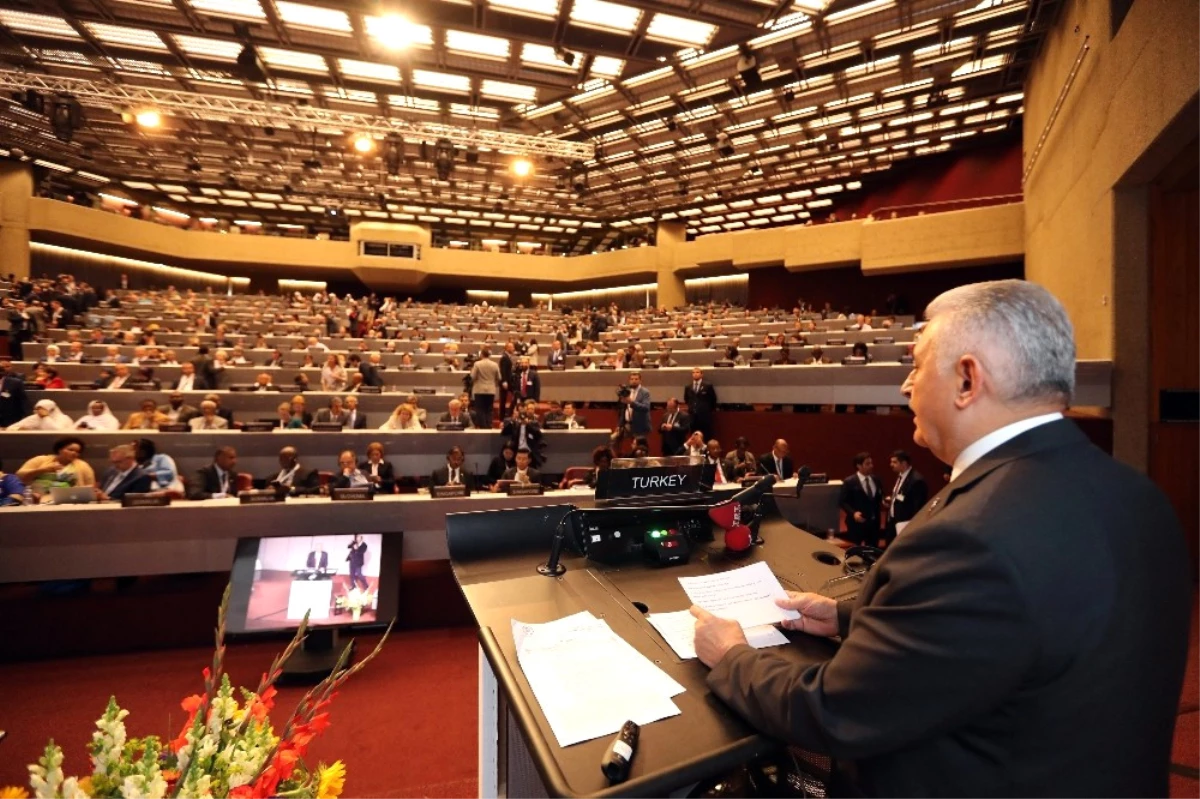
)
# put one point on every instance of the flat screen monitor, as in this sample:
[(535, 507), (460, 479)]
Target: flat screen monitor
[(341, 580)]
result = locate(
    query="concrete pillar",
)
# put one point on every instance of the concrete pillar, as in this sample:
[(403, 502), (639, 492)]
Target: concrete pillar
[(671, 292), (16, 189)]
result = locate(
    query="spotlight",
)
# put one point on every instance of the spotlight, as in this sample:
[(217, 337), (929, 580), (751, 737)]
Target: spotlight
[(383, 204), (194, 166), (724, 144), (393, 155), (522, 167), (364, 143), (443, 159), (565, 56), (747, 67), (471, 156), (250, 67), (33, 101), (148, 118), (66, 118), (333, 212), (789, 95)]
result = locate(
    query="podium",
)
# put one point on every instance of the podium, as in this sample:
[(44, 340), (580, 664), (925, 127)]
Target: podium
[(495, 557)]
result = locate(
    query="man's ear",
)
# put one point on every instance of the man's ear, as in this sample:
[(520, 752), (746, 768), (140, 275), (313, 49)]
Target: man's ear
[(968, 377)]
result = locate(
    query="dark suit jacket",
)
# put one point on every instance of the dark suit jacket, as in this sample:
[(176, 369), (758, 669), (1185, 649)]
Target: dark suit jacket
[(326, 415), (205, 483), (14, 402), (702, 403), (441, 477), (910, 498), (136, 482), (533, 391), (317, 562), (556, 358), (206, 375), (853, 498), (464, 419), (371, 376), (508, 366), (360, 420), (387, 475), (533, 436), (511, 474), (304, 481), (1034, 612), (766, 465)]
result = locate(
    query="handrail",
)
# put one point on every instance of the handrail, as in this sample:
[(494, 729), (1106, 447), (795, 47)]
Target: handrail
[(992, 199)]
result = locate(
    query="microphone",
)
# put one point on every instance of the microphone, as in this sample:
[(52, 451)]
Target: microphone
[(728, 514), (801, 477), (752, 493)]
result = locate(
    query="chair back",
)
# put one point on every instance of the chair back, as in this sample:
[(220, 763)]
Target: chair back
[(574, 473)]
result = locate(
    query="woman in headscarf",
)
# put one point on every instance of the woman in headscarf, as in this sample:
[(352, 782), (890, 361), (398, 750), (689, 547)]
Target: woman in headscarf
[(98, 417), (45, 416), (402, 419)]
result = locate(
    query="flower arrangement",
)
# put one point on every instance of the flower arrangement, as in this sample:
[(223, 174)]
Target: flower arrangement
[(355, 600), (226, 748)]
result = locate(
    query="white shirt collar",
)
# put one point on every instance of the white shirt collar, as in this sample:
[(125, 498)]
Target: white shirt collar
[(997, 437)]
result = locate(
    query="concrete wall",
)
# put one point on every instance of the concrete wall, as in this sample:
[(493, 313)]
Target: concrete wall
[(1130, 110)]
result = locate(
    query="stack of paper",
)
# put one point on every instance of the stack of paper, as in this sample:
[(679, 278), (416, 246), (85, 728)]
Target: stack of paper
[(746, 595), (588, 680)]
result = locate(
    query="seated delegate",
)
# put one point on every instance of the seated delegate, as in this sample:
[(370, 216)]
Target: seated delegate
[(65, 468)]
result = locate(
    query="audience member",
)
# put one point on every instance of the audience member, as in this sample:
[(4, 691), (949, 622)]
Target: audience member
[(402, 419), (695, 446), (740, 461), (674, 427), (333, 374), (485, 381), (526, 382), (334, 414), (348, 474), (419, 413), (12, 490), (293, 479), (98, 417), (522, 471), (378, 471), (354, 419), (501, 463), (123, 476), (701, 400), (778, 461), (177, 411), (14, 402), (455, 472), (263, 382), (208, 418), (45, 416), (187, 380), (523, 431), (148, 418), (455, 415), (64, 468), (217, 480), (160, 466), (713, 458), (860, 499)]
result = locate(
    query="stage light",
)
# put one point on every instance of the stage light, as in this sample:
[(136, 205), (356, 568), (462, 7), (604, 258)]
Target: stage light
[(724, 144), (148, 118), (443, 159), (364, 143), (66, 117), (747, 68), (522, 167)]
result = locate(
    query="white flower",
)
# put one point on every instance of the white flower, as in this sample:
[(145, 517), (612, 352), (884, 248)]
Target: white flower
[(71, 789)]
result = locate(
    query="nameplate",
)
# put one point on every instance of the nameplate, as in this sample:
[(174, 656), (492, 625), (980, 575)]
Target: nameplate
[(243, 387), (760, 362), (258, 497), (854, 360), (81, 386), (558, 367), (723, 364), (885, 339), (606, 366), (177, 427), (369, 390), (327, 427), (803, 341), (424, 390), (650, 366), (906, 360), (257, 427), (406, 367), (833, 342), (88, 359), (816, 478), (352, 494), (682, 478), (141, 387), (145, 501), (446, 492), (448, 426), (525, 489), (555, 426)]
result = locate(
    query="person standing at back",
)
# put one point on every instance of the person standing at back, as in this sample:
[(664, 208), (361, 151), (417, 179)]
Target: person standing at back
[(860, 499), (485, 381), (701, 400), (1027, 633)]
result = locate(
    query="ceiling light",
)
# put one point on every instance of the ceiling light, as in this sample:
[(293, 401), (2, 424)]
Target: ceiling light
[(148, 118), (364, 143), (394, 32), (522, 167)]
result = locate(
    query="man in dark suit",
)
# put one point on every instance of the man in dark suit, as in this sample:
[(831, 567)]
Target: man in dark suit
[(334, 414), (217, 480), (523, 431), (206, 373), (368, 370), (526, 383), (14, 402), (317, 560), (455, 472), (861, 499), (633, 420), (1033, 612), (557, 356), (701, 400), (908, 495), (523, 471), (778, 461), (292, 478), (508, 367), (456, 415), (125, 476), (354, 419), (60, 316)]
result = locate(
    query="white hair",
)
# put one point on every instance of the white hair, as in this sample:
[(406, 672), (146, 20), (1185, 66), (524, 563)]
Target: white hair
[(1020, 328)]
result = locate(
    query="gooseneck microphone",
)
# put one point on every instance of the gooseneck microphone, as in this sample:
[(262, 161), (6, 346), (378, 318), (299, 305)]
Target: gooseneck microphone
[(752, 493), (552, 567), (738, 535)]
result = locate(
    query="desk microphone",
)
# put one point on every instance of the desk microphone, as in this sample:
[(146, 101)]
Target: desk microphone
[(728, 514), (619, 757)]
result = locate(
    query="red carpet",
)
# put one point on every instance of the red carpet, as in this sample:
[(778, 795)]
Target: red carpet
[(405, 726)]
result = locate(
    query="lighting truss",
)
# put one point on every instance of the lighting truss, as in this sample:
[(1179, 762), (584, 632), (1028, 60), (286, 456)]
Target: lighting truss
[(258, 113)]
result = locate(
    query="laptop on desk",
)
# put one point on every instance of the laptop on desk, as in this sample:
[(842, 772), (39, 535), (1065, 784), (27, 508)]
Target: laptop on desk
[(76, 495)]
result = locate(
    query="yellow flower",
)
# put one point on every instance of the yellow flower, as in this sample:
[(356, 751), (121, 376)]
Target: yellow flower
[(17, 792), (331, 780), (85, 785)]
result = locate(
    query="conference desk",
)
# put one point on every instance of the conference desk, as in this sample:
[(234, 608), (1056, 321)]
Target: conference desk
[(410, 453), (519, 755), (818, 384)]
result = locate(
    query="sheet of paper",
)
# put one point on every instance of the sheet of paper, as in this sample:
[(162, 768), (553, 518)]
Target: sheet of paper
[(588, 680), (679, 631), (900, 527), (746, 595)]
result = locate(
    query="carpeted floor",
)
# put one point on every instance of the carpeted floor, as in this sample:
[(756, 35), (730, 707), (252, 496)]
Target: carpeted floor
[(406, 726)]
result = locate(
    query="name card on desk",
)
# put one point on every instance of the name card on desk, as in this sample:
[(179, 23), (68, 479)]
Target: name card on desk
[(369, 390), (833, 342), (448, 426), (723, 364), (606, 366), (352, 494), (424, 390), (907, 360), (524, 489), (558, 367), (243, 387), (145, 501), (257, 427), (327, 427), (760, 362), (682, 477), (885, 339), (816, 478), (556, 425), (79, 386), (448, 491), (259, 497), (854, 360), (177, 427)]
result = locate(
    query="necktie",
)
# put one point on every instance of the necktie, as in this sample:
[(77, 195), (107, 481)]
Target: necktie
[(454, 477), (524, 382), (895, 491), (224, 482), (778, 466), (870, 489), (350, 419), (116, 479), (720, 475)]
